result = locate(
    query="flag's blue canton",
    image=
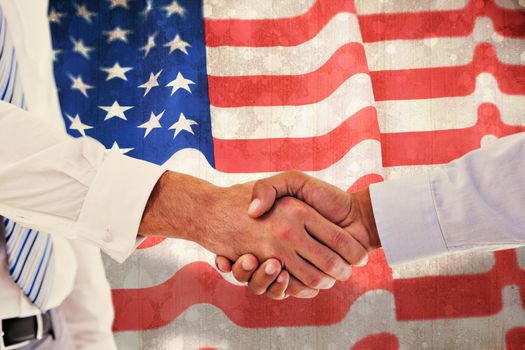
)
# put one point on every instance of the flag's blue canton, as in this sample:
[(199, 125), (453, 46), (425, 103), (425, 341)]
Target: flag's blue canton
[(90, 82)]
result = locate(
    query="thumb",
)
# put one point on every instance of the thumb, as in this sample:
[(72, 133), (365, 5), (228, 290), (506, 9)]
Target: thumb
[(267, 191), (263, 198)]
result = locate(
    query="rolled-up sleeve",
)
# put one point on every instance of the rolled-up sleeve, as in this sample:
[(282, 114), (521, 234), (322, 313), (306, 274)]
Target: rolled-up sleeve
[(473, 203), (72, 187)]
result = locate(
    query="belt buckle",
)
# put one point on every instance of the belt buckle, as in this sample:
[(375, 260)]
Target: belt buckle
[(39, 333)]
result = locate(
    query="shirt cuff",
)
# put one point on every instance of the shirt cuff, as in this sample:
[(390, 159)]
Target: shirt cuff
[(115, 202), (406, 219)]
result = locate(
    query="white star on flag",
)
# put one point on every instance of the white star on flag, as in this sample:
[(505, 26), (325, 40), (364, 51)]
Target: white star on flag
[(151, 83), (78, 84), (147, 9), (116, 71), (150, 44), (55, 54), (117, 34), (180, 83), (83, 12), (119, 3), (183, 124), (174, 7), (177, 44), (152, 123), (76, 124), (116, 148), (55, 16), (115, 110), (78, 46)]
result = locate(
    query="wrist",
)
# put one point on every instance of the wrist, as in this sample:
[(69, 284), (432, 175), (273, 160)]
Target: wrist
[(367, 217), (176, 206)]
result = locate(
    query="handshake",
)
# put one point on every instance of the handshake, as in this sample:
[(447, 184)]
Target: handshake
[(286, 235)]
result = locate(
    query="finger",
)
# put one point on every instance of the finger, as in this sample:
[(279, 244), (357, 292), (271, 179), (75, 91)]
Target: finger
[(277, 289), (264, 276), (267, 191), (324, 259), (244, 267), (223, 264), (363, 262), (335, 238), (298, 290), (308, 274)]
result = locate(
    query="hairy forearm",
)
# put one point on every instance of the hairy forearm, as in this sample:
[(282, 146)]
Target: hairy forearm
[(176, 206)]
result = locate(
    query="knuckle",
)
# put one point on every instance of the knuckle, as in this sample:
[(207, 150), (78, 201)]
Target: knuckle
[(332, 264), (293, 207), (313, 281), (294, 173), (300, 209), (259, 184), (339, 240)]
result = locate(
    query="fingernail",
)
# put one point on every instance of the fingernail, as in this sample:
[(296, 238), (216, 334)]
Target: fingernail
[(254, 205), (246, 266), (269, 269), (306, 293), (280, 279), (363, 261), (348, 273), (326, 283)]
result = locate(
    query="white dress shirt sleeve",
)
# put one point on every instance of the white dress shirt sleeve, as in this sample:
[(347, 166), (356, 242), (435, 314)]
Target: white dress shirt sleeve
[(71, 187), (476, 202), (88, 309)]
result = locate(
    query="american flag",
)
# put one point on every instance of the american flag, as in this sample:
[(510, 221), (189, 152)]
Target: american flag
[(232, 90)]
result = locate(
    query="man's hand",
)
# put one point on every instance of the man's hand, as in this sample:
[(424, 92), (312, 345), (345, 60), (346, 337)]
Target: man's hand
[(352, 212), (313, 249), (265, 278)]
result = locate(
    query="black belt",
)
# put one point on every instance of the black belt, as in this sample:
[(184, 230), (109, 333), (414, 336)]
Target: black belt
[(20, 331)]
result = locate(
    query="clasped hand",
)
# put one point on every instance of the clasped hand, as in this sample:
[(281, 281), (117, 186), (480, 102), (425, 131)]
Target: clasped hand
[(305, 233), (311, 235)]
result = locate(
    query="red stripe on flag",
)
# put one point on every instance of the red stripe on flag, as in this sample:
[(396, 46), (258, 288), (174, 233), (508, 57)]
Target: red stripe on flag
[(301, 153), (435, 297), (273, 90), (151, 242), (515, 339), (443, 146), (431, 297), (274, 32), (365, 181), (456, 23), (198, 283), (425, 83), (381, 341)]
